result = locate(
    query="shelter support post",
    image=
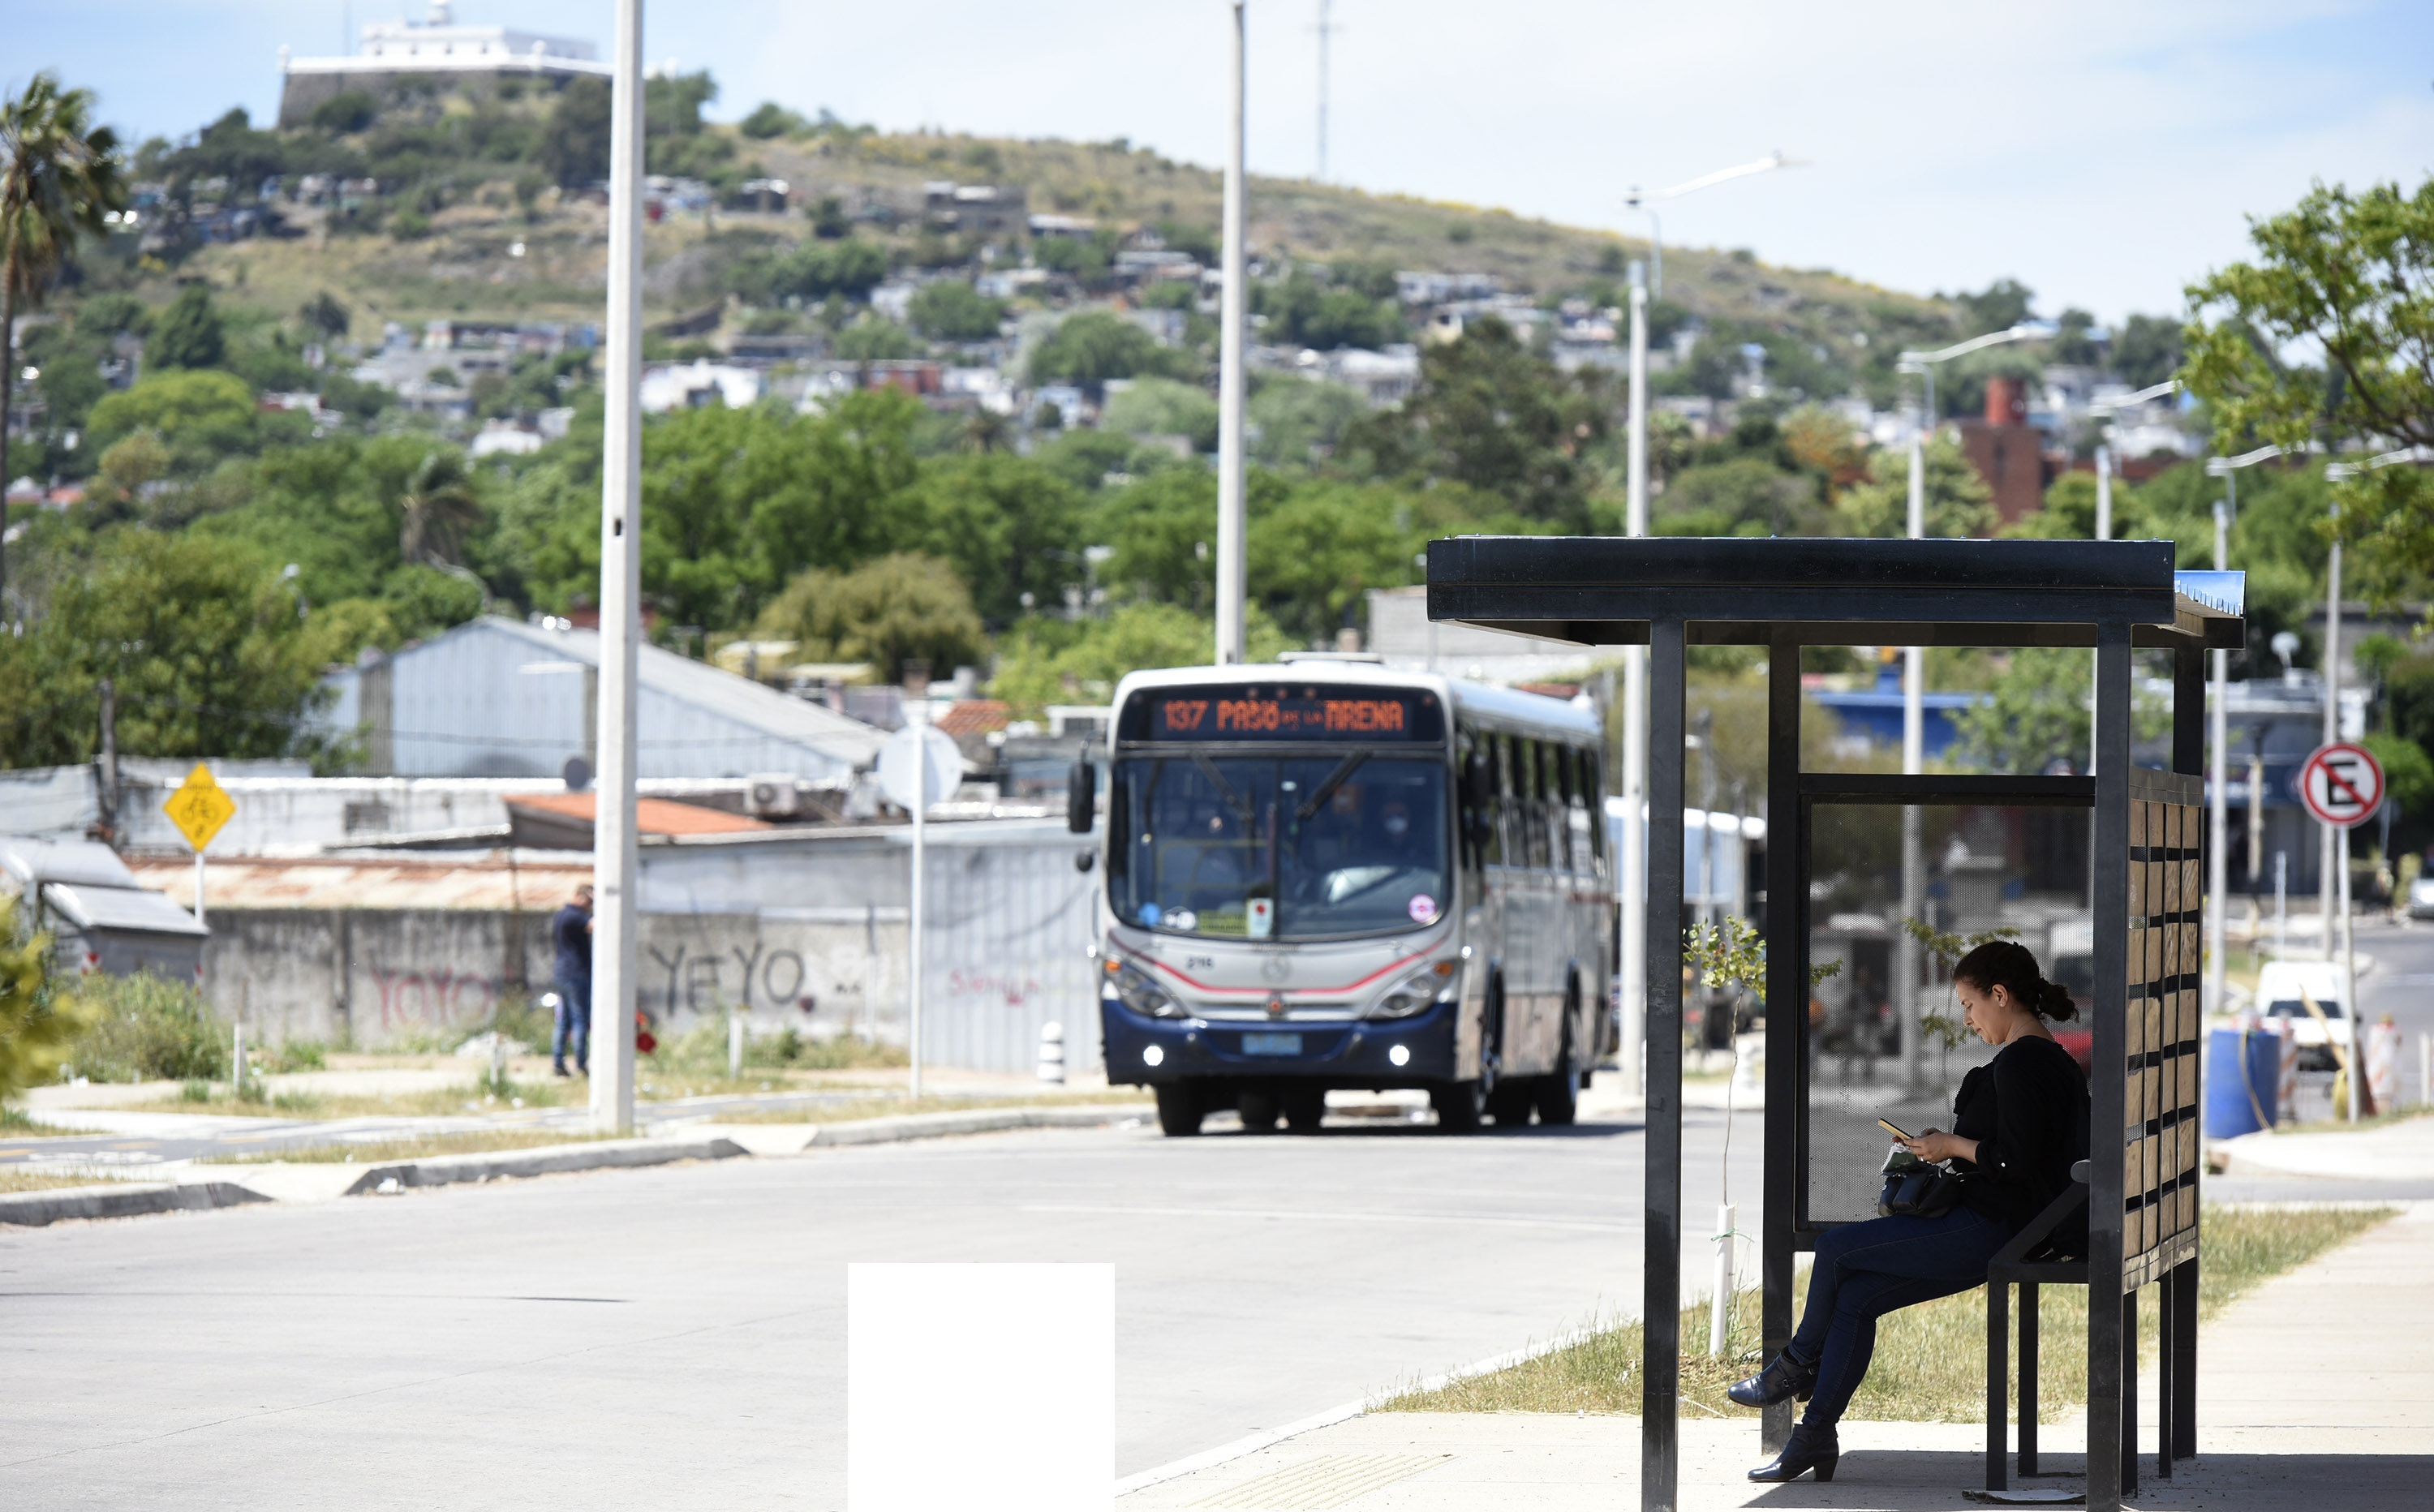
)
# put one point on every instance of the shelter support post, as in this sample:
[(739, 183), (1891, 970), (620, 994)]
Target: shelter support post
[(2028, 1379), (1787, 996), (2107, 1390), (1661, 1299), (2179, 1426)]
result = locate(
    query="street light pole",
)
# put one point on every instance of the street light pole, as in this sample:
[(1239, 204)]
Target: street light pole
[(1232, 642), (1647, 283), (2218, 801), (614, 927), (1913, 874), (1635, 723)]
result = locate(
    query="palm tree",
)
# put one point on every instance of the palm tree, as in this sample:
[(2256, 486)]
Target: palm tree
[(437, 510), (59, 176)]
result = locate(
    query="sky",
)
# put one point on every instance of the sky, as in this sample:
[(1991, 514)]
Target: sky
[(2104, 154)]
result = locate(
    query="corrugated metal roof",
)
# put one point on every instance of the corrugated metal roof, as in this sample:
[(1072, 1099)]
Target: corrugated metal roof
[(120, 908), (81, 861), (474, 880), (653, 816)]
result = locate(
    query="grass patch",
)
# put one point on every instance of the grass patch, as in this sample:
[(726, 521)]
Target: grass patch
[(16, 1120), (375, 1152), (886, 1106), (220, 1099), (18, 1179), (1931, 1361)]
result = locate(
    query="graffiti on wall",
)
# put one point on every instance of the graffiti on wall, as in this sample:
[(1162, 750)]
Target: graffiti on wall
[(420, 997), (763, 977)]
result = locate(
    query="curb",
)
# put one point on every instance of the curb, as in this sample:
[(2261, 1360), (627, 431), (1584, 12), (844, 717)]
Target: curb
[(548, 1160), (905, 1127), (121, 1200)]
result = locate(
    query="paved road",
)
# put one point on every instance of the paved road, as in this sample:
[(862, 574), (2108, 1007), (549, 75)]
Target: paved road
[(673, 1337)]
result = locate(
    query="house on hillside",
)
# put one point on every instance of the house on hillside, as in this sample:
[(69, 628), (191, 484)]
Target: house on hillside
[(435, 51)]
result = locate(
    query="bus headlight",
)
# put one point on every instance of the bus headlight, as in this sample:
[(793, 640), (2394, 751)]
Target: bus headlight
[(1416, 993), (1138, 993)]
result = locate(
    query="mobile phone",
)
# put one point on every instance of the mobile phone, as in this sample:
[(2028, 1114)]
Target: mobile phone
[(1894, 1129)]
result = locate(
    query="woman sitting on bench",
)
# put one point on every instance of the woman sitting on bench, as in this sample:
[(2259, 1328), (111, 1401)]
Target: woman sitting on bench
[(2018, 1123)]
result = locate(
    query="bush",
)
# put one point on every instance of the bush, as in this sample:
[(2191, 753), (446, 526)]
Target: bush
[(147, 1029), (37, 1030)]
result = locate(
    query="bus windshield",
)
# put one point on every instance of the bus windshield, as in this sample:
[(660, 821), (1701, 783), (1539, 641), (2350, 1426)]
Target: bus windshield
[(1285, 847)]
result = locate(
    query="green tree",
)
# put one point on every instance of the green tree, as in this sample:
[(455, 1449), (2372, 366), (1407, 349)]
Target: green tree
[(438, 509), (1313, 555), (2038, 714), (1036, 668), (1091, 348), (188, 334), (1745, 496), (2147, 350), (1326, 315), (2000, 306), (902, 608), (38, 1028), (575, 143), (207, 646), (2351, 277), (875, 338), (953, 310), (1009, 526), (324, 313), (770, 119), (1300, 422), (59, 174), (201, 416), (1957, 500), (1162, 406)]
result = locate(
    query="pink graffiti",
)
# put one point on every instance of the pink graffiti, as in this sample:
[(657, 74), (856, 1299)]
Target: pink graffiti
[(1012, 992), (437, 997)]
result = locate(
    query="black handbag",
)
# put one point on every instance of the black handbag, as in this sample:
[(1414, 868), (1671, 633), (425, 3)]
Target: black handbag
[(1919, 1189)]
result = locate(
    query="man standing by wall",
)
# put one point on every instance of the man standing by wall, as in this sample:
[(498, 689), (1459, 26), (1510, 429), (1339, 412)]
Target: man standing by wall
[(570, 932)]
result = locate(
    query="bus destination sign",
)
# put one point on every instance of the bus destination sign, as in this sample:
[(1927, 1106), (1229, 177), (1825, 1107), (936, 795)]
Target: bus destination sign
[(1292, 714)]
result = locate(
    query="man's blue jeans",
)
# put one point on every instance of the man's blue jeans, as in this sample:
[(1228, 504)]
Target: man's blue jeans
[(1865, 1270), (574, 1023)]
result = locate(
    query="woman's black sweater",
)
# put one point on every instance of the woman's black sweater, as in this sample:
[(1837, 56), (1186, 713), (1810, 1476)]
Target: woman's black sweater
[(2028, 1111)]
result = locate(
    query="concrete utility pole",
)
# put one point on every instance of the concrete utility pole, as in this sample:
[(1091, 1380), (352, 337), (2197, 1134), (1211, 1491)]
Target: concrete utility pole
[(613, 931), (1231, 640), (1634, 725)]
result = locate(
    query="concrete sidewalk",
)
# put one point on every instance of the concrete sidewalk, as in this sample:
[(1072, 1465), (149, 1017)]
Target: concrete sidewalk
[(2402, 1150), (2315, 1391)]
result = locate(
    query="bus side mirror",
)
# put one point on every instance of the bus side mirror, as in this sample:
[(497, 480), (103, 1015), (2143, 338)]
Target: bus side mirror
[(1081, 797)]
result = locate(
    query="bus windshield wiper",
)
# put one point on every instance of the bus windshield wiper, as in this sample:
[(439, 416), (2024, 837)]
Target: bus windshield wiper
[(1217, 779), (1317, 800)]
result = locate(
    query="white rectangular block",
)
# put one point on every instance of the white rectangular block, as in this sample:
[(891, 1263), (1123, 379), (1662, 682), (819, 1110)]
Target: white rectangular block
[(980, 1386)]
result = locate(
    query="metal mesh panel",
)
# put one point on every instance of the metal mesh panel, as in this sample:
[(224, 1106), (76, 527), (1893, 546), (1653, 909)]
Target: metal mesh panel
[(2161, 1028)]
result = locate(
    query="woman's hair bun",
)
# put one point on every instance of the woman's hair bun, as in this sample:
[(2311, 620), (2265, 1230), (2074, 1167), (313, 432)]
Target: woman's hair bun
[(2009, 964)]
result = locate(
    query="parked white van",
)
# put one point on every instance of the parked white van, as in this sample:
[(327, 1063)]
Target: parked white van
[(2282, 990)]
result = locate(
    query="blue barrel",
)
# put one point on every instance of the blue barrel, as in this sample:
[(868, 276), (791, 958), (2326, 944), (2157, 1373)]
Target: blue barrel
[(2233, 1100)]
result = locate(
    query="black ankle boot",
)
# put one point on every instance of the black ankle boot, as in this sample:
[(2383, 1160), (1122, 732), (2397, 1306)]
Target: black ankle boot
[(1781, 1380), (1809, 1449)]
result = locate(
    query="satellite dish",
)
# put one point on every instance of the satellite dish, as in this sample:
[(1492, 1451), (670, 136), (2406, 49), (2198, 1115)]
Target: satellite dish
[(921, 765), (577, 773)]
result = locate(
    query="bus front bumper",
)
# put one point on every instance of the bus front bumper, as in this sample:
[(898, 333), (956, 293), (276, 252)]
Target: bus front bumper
[(1375, 1054)]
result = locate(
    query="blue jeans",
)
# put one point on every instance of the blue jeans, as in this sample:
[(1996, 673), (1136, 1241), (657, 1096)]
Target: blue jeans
[(574, 1023), (1865, 1270)]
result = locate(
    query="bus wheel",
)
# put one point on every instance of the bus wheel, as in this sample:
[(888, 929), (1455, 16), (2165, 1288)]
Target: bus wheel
[(1459, 1106), (1258, 1111), (1305, 1109), (1559, 1099), (1509, 1104), (1179, 1109)]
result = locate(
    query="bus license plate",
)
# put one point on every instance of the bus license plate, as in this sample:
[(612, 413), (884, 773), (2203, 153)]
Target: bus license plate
[(1272, 1045)]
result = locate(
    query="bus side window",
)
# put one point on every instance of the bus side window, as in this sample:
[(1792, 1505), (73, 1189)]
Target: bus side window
[(1512, 843), (1593, 799), (1528, 814), (1478, 805), (1555, 824)]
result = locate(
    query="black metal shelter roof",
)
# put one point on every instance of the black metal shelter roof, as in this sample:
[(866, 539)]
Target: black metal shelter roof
[(1831, 591)]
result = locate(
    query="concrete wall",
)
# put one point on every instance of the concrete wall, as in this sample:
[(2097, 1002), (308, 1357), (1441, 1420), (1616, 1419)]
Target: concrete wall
[(809, 934)]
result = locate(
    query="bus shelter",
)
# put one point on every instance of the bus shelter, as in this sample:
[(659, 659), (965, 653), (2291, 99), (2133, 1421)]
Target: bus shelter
[(2138, 859)]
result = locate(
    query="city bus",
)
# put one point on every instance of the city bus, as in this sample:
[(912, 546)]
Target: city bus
[(1323, 874)]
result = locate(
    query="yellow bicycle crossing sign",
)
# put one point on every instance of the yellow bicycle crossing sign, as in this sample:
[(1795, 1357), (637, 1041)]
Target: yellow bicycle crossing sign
[(199, 807)]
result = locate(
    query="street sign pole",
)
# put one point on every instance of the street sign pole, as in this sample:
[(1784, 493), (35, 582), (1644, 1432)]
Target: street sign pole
[(2342, 785), (919, 765)]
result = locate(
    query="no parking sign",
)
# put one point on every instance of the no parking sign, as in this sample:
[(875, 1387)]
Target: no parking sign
[(2342, 784)]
